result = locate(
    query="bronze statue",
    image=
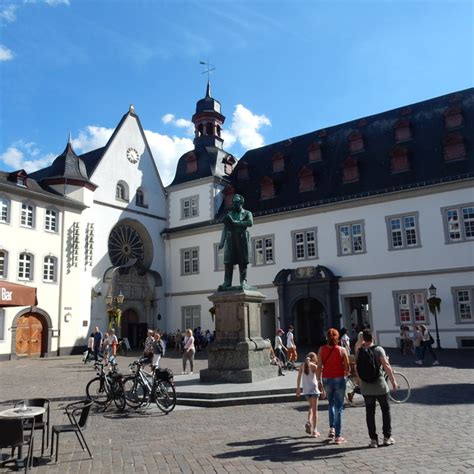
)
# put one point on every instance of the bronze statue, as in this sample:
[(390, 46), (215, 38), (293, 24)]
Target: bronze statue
[(235, 241)]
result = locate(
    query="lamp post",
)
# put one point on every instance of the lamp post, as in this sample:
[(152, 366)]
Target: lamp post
[(434, 303), (113, 308)]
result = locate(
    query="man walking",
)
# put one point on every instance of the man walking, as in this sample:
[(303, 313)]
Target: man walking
[(97, 342), (290, 345), (370, 360)]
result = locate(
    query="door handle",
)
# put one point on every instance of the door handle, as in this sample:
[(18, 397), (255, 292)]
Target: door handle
[(34, 340)]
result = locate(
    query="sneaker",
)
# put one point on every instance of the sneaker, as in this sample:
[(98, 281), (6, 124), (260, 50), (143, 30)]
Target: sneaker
[(419, 362), (340, 440), (307, 427), (191, 373), (183, 373), (373, 443), (435, 362), (332, 433), (388, 441)]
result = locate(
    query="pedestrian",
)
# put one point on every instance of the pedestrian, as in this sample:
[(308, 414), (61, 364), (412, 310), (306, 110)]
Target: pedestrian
[(188, 351), (311, 390), (97, 342), (178, 339), (333, 365), (158, 351), (426, 345), (405, 341), (417, 343), (291, 345), (148, 349), (345, 340), (279, 347), (90, 346), (358, 344), (370, 360)]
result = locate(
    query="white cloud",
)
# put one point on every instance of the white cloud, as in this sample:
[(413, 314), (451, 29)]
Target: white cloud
[(8, 13), (53, 3), (167, 118), (245, 128), (91, 138), (5, 53), (26, 156), (170, 119)]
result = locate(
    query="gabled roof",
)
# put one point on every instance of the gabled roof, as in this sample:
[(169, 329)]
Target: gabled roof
[(425, 153)]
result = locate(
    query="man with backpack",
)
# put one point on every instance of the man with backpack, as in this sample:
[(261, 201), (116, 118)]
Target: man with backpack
[(370, 361)]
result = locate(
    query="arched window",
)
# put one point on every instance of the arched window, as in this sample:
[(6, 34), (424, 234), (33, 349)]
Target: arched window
[(267, 190), (278, 162), (200, 130), (399, 160), (402, 130), (314, 152), (453, 117), (27, 216), (25, 266), (210, 129), (350, 171), (356, 142), (121, 191), (454, 147), (191, 164), (306, 180), (49, 269), (3, 263), (218, 130), (140, 198), (4, 210)]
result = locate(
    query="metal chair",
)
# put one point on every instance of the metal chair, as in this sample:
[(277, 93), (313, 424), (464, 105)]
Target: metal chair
[(12, 435), (41, 421), (78, 414)]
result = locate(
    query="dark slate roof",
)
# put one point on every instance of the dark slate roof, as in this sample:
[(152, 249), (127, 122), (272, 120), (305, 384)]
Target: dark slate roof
[(208, 103), (425, 154), (209, 163)]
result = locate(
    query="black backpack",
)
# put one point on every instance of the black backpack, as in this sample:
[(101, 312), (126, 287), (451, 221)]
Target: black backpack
[(367, 366)]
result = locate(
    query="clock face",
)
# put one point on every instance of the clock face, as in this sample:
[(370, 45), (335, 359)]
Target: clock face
[(132, 155)]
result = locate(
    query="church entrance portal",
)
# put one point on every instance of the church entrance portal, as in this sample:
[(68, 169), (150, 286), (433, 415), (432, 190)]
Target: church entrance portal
[(309, 317), (132, 329)]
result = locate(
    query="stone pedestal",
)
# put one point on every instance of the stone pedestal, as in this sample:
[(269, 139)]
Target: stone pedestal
[(238, 353)]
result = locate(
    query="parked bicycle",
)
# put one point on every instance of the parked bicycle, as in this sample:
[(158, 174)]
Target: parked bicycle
[(122, 348), (142, 388), (107, 387)]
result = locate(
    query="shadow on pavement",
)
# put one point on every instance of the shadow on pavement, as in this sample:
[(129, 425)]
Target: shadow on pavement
[(453, 394), (287, 449)]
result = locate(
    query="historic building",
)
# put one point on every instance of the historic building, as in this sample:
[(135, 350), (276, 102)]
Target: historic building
[(352, 224)]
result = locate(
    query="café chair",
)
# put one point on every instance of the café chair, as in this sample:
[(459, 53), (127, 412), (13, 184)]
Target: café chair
[(78, 414), (12, 435), (41, 421)]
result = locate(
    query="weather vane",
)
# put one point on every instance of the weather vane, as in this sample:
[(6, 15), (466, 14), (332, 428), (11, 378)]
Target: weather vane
[(209, 68)]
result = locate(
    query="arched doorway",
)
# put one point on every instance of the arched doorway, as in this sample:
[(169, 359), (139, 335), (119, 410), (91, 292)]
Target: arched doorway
[(31, 335), (132, 329), (309, 317)]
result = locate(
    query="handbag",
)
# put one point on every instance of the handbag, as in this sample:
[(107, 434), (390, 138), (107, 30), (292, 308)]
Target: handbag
[(431, 339)]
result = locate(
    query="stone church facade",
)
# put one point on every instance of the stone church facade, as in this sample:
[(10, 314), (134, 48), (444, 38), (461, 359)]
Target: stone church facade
[(352, 224)]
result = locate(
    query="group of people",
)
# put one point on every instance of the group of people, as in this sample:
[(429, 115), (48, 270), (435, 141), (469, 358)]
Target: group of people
[(324, 375), (102, 344), (419, 343)]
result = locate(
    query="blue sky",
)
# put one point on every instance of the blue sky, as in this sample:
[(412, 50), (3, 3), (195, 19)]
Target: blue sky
[(283, 68)]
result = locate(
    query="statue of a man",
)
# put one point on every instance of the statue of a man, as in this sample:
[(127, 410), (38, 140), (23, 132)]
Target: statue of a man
[(235, 241)]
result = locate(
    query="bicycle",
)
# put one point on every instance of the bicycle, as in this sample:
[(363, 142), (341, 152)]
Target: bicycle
[(107, 388), (122, 349), (401, 395), (142, 388)]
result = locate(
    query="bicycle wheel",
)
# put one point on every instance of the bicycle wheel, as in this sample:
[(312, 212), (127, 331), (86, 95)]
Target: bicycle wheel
[(119, 396), (135, 392), (164, 396), (402, 394), (95, 391), (122, 350)]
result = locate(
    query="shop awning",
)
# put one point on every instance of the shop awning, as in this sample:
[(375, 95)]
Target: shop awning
[(13, 294)]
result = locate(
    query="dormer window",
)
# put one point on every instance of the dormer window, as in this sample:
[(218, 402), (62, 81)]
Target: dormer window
[(267, 188), (454, 147), (399, 160), (306, 180), (21, 181), (229, 163), (356, 142), (229, 193), (453, 117), (350, 171), (314, 152), (278, 162), (243, 171), (218, 130), (402, 130), (191, 164)]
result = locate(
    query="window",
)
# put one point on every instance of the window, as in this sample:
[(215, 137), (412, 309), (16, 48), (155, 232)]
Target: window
[(463, 298), (140, 198), (411, 307), (305, 180), (304, 244), (190, 207), (350, 238), (49, 269), (243, 171), (399, 160), (263, 250), (454, 147), (402, 130), (458, 223), (350, 170), (314, 152), (218, 258), (453, 117), (2, 324), (3, 263), (190, 261), (51, 221), (4, 210), (121, 191), (356, 142), (403, 231), (278, 162), (25, 266), (267, 190), (27, 215), (191, 317), (191, 164)]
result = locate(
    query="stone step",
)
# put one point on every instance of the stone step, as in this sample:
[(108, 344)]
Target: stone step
[(183, 395), (233, 401)]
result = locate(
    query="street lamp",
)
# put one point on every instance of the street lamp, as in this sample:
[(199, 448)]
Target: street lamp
[(113, 309), (434, 303)]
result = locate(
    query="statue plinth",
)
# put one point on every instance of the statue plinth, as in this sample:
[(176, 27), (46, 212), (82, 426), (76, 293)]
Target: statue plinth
[(238, 353)]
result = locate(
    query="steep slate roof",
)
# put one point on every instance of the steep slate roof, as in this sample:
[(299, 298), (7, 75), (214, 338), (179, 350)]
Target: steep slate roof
[(425, 155)]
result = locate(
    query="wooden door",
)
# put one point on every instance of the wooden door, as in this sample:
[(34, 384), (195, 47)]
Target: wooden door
[(29, 336)]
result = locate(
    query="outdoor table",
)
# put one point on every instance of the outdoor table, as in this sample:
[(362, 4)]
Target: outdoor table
[(18, 413)]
